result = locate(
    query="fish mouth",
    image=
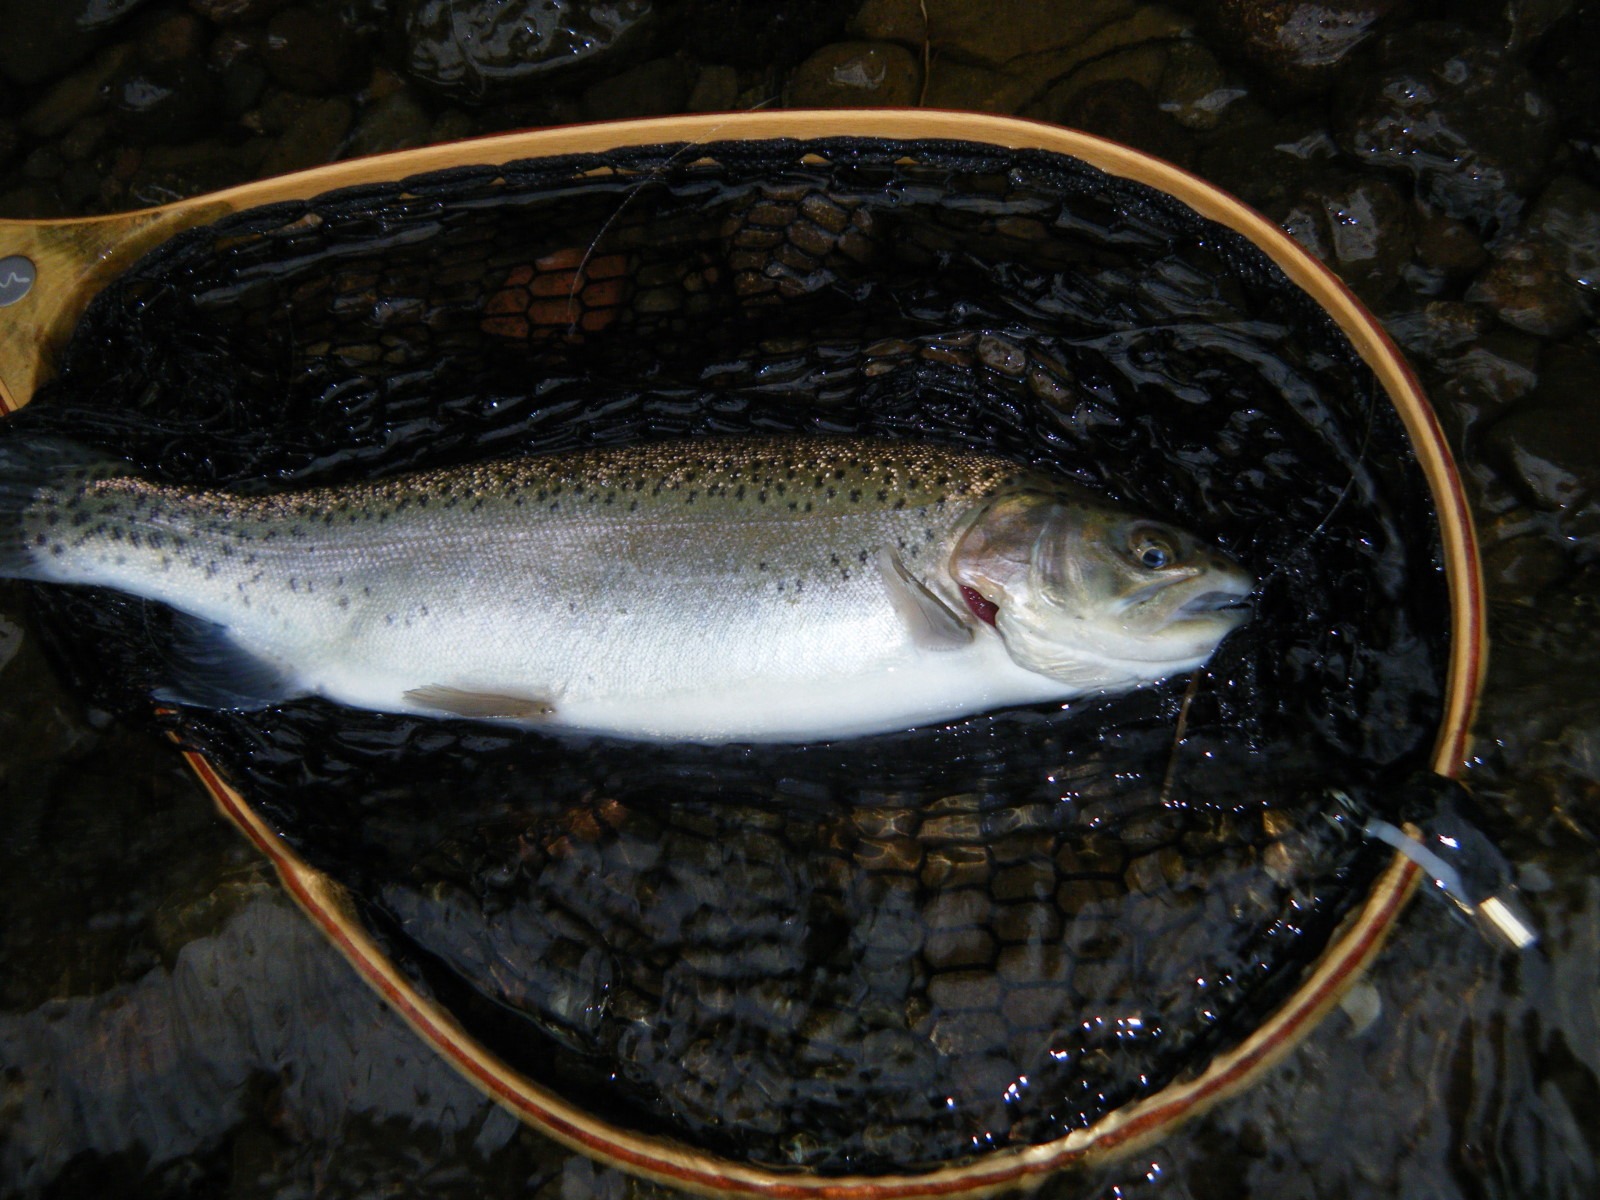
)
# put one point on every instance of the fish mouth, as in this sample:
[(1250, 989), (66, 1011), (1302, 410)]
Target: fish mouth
[(1216, 601)]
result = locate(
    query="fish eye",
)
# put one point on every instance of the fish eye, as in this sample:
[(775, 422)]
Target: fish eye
[(1152, 549)]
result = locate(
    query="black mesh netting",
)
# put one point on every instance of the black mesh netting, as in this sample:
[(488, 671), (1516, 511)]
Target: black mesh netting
[(876, 955)]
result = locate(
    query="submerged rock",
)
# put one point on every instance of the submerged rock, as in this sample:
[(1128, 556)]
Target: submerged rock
[(41, 40), (651, 89), (166, 102), (1359, 226), (739, 34), (1549, 446), (480, 50), (1457, 113), (1301, 44), (311, 50), (236, 12), (1567, 218), (857, 75), (1527, 288)]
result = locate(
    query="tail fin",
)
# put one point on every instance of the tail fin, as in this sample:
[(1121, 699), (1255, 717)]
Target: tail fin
[(31, 466)]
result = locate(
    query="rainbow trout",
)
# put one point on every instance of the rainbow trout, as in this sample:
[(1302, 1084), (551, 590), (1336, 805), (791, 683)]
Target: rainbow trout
[(780, 589)]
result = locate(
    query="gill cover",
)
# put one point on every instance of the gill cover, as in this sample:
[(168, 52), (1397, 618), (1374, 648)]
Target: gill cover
[(1093, 596)]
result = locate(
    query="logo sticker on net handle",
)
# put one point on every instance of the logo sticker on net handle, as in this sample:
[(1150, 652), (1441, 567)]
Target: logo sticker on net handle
[(16, 279)]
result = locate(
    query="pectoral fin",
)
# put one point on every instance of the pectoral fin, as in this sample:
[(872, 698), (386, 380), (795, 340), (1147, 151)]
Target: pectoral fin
[(934, 625), (480, 706)]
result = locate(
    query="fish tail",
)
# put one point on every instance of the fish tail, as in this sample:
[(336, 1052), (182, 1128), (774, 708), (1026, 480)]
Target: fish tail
[(33, 469)]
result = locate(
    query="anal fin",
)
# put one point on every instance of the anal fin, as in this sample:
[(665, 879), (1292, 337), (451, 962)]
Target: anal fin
[(206, 668), (480, 706)]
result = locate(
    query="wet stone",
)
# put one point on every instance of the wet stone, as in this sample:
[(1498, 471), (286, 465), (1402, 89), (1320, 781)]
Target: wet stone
[(957, 1033), (897, 854), (310, 129), (1456, 112), (856, 75), (993, 34), (1523, 566), (1549, 446), (1020, 847), (165, 102), (1438, 330), (1566, 219), (648, 90), (1527, 288), (957, 909), (1121, 109), (1359, 226), (947, 949), (1027, 922), (758, 36), (485, 51), (953, 991), (1195, 90), (954, 865), (1301, 44), (1036, 963), (1449, 246), (1024, 881), (42, 40), (79, 94), (716, 89), (957, 827), (886, 822), (311, 50), (170, 37), (1034, 1008), (236, 12), (1093, 854)]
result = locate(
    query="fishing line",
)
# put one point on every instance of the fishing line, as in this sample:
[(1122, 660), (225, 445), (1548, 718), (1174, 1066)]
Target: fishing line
[(654, 175)]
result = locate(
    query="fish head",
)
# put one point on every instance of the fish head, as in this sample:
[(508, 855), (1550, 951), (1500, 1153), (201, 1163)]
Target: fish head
[(1085, 592)]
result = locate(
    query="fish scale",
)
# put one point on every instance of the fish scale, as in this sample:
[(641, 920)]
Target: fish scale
[(766, 589)]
